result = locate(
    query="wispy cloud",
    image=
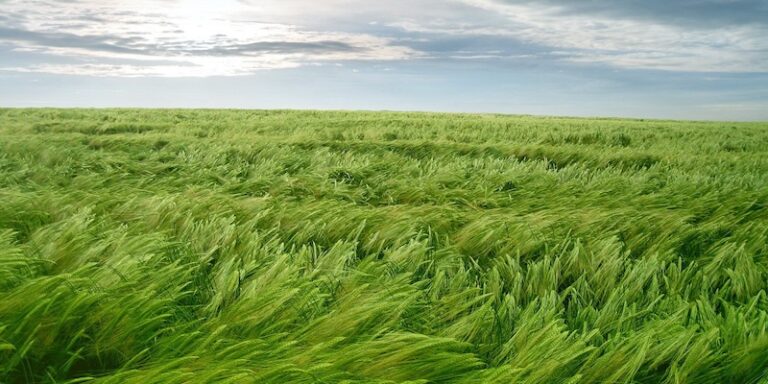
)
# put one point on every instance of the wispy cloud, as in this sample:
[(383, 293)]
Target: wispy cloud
[(234, 37), (615, 35), (194, 38), (697, 14)]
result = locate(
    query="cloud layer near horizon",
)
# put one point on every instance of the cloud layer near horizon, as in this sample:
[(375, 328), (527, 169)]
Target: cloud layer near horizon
[(193, 38)]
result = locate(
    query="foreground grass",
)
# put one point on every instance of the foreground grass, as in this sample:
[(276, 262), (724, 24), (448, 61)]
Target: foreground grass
[(318, 247)]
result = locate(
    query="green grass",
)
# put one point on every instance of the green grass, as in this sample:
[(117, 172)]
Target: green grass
[(320, 247)]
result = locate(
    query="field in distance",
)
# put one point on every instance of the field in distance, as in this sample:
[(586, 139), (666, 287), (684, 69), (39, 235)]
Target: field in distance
[(178, 246)]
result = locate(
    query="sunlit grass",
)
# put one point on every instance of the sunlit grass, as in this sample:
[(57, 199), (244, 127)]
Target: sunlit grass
[(316, 247)]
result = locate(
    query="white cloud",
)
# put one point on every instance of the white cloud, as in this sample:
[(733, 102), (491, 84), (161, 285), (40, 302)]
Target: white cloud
[(208, 38), (235, 37), (622, 42)]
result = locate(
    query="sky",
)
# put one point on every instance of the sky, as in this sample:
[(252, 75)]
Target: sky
[(682, 59)]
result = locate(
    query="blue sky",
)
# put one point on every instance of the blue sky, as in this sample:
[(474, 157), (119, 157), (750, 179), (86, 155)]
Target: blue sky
[(689, 59)]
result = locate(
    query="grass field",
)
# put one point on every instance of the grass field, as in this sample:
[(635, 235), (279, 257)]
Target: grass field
[(320, 247)]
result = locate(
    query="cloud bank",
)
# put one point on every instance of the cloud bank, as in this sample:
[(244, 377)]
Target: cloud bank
[(194, 38)]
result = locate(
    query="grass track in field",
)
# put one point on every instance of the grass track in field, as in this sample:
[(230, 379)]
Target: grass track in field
[(317, 247)]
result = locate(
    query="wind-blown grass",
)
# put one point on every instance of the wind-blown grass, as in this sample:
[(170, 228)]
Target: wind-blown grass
[(317, 247)]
